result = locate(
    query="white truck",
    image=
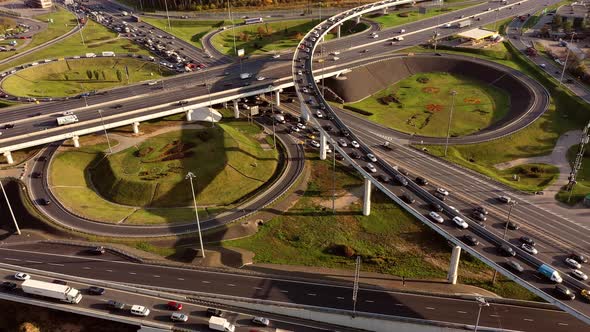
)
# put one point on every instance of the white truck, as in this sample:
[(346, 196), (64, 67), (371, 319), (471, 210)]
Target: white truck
[(464, 24), (90, 55), (245, 75), (108, 53), (55, 291), (220, 324), (279, 118), (124, 13), (64, 120)]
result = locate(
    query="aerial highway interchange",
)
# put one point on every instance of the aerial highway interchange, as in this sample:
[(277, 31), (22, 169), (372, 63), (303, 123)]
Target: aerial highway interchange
[(220, 80)]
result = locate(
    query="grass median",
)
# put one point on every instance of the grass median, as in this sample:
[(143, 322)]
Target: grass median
[(191, 31), (396, 18)]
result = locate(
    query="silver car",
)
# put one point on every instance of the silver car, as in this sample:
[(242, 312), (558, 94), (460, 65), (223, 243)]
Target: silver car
[(371, 168), (436, 217)]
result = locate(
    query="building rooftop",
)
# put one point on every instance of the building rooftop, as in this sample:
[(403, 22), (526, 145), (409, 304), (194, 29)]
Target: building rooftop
[(477, 34)]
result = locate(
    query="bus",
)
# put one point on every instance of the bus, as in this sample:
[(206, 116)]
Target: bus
[(253, 20)]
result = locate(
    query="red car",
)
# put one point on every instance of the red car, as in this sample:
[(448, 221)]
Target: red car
[(175, 306)]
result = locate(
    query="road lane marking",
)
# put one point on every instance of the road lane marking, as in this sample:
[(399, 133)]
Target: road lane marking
[(180, 278), (86, 268), (205, 281), (259, 288), (231, 285), (563, 324), (55, 264), (132, 273), (461, 311), (35, 262), (156, 276), (494, 315), (369, 301), (12, 259), (284, 291), (399, 304), (528, 319), (311, 294), (109, 270), (430, 308), (339, 297)]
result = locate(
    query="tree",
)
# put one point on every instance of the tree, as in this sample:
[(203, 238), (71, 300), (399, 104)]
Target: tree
[(104, 78), (544, 31), (66, 77), (568, 26), (96, 75), (261, 31), (119, 75)]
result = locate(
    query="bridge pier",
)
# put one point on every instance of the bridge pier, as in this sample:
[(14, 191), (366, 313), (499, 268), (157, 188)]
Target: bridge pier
[(367, 198), (8, 156), (236, 110), (358, 19), (76, 140), (338, 30), (385, 11), (136, 128), (277, 98), (189, 116), (323, 146), (454, 267), (304, 113)]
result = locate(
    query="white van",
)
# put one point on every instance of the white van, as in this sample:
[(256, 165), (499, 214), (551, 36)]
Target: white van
[(140, 310)]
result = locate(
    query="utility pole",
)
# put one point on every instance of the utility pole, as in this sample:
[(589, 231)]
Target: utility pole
[(190, 176), (167, 15), (80, 29), (10, 208), (272, 115), (355, 287), (481, 302), (512, 204), (105, 131), (584, 139), (334, 179), (567, 54), (453, 94)]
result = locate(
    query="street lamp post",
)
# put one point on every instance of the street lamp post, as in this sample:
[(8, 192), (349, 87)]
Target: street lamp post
[(167, 15), (10, 208), (105, 132), (190, 176), (481, 302), (272, 115), (453, 93), (567, 54), (512, 204)]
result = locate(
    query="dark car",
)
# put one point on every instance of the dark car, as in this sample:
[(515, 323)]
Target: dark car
[(480, 209), (59, 282), (527, 240), (436, 207), (355, 155), (115, 305), (97, 250), (344, 133), (421, 181), (383, 178), (9, 125), (45, 201), (403, 171), (514, 266), (118, 106), (36, 175), (579, 257), (94, 290), (440, 196), (328, 128), (478, 216), (408, 198), (9, 285), (506, 250), (564, 292), (214, 312), (470, 240), (182, 102), (338, 156), (512, 225)]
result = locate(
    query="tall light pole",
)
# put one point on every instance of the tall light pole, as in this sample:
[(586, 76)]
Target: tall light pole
[(10, 208), (481, 302), (167, 15), (105, 131), (512, 204), (567, 54), (334, 179), (453, 94), (584, 139), (233, 27), (80, 29), (272, 115), (190, 176)]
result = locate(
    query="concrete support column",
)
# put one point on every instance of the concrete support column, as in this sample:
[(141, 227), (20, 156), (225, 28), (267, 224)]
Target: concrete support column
[(8, 156), (236, 110), (339, 30), (76, 140), (385, 11), (136, 127), (189, 115), (367, 198), (323, 146), (454, 267), (358, 19), (277, 98), (304, 112), (224, 104)]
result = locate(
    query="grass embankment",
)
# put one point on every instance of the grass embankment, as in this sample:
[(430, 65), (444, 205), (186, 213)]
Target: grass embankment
[(273, 36), (398, 18), (566, 112), (582, 187), (389, 240), (97, 39), (227, 159), (70, 77), (63, 22), (421, 103), (189, 30)]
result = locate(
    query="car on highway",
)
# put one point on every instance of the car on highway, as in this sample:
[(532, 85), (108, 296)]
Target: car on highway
[(436, 207), (95, 290), (314, 143), (506, 250), (479, 216), (408, 198), (9, 285), (117, 106), (139, 310), (99, 250), (439, 196), (59, 282), (262, 321), (260, 78), (442, 191), (585, 294), (512, 225), (564, 292), (383, 178), (579, 275), (276, 56), (300, 125), (342, 142), (528, 248), (214, 312), (355, 155), (371, 168), (421, 181), (527, 240), (504, 199), (36, 175), (481, 210), (178, 317), (436, 217), (21, 276), (173, 305), (573, 263), (295, 129), (460, 222), (579, 257), (514, 266), (355, 144), (371, 157), (402, 180), (319, 114), (116, 304), (470, 240)]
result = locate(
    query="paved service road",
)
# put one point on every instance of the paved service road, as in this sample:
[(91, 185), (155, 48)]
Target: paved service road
[(316, 293)]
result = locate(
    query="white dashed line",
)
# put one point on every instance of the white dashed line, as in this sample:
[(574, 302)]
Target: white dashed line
[(132, 273), (86, 268), (528, 319), (461, 312), (494, 315), (369, 301), (109, 270), (399, 304), (156, 276), (205, 281), (258, 288), (231, 285), (35, 262), (430, 308), (311, 294), (339, 297), (563, 324), (55, 264), (12, 259), (180, 278)]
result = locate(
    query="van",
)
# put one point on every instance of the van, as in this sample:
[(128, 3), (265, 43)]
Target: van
[(140, 310)]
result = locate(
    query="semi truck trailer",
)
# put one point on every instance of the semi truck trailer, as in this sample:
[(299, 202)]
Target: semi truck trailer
[(64, 120), (55, 291), (550, 273)]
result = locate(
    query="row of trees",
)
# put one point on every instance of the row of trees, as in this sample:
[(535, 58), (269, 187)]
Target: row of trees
[(98, 75), (198, 5)]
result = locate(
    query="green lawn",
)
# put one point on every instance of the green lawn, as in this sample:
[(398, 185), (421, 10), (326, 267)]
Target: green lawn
[(396, 18), (97, 39), (566, 112), (421, 104), (63, 21), (582, 187), (189, 30), (272, 36), (227, 159), (389, 240), (70, 77)]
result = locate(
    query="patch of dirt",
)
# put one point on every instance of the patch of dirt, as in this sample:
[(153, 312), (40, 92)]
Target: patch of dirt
[(344, 199), (430, 89), (434, 107), (472, 100)]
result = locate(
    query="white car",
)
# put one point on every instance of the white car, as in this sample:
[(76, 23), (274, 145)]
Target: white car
[(342, 142), (319, 114), (542, 65), (579, 275), (528, 248), (260, 321), (375, 36), (442, 191), (335, 58), (299, 72), (402, 31), (276, 56), (295, 129), (573, 263), (178, 317), (260, 78), (300, 125), (22, 276), (315, 144), (460, 222), (436, 217), (355, 144), (371, 157), (371, 168), (454, 208)]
